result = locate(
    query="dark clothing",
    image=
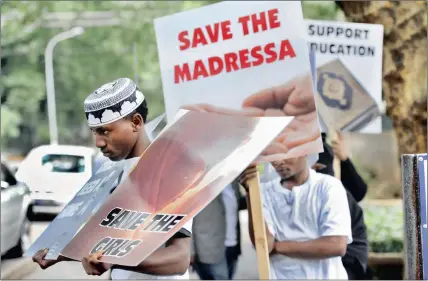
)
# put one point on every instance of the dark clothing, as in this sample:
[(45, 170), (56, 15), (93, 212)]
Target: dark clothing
[(356, 258), (359, 248), (223, 270), (232, 255), (213, 260), (353, 268), (352, 181), (210, 271)]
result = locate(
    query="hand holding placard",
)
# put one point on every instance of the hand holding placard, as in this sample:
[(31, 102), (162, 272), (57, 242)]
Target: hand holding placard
[(39, 258)]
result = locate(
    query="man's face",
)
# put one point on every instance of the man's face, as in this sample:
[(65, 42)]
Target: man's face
[(116, 140), (288, 168)]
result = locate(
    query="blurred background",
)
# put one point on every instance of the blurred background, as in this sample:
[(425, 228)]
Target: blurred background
[(116, 39)]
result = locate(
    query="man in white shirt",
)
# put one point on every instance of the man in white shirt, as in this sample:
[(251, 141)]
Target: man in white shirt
[(307, 220), (116, 114)]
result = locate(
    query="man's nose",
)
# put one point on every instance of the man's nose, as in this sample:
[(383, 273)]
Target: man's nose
[(99, 141)]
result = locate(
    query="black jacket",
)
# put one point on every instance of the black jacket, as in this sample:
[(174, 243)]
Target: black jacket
[(356, 190)]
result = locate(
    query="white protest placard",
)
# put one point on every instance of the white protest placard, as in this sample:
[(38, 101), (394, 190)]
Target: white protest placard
[(223, 57), (359, 48)]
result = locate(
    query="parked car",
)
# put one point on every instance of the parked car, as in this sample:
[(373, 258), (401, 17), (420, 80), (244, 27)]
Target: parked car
[(54, 174), (15, 213)]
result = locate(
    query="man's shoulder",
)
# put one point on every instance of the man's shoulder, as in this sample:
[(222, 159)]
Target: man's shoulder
[(327, 183)]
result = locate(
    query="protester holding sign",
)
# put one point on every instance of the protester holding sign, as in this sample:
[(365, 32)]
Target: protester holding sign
[(307, 221), (116, 114), (357, 253)]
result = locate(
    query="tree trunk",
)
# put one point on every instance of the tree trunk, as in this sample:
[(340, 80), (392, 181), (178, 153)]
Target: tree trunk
[(404, 64)]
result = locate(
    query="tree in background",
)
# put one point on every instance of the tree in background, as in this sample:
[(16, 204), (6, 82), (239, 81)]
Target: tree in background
[(81, 64), (404, 64)]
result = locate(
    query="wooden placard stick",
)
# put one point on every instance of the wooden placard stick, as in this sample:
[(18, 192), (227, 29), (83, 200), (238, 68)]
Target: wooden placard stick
[(260, 239)]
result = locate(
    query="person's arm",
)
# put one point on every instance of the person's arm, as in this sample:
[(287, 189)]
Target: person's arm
[(248, 174), (270, 238), (349, 175), (174, 259), (352, 180), (334, 224), (39, 258), (323, 247)]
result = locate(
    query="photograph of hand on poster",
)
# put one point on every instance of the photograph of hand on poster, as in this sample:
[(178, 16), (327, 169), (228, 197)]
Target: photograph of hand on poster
[(349, 71), (242, 59), (183, 170)]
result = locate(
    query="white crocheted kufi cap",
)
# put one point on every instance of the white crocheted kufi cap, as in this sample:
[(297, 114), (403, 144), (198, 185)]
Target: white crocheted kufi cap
[(112, 101)]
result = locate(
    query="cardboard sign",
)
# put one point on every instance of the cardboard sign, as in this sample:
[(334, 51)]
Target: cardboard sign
[(153, 125), (242, 58), (84, 204), (423, 195), (349, 63), (76, 213), (183, 170)]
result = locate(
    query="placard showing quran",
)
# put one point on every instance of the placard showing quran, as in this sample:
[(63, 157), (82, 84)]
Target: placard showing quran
[(349, 64)]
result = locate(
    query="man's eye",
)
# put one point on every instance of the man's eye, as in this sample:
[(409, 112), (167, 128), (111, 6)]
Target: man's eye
[(105, 133)]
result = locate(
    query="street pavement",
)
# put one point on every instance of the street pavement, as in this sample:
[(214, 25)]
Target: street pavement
[(25, 269)]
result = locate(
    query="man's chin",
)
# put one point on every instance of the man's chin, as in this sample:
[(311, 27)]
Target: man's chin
[(114, 158), (287, 177)]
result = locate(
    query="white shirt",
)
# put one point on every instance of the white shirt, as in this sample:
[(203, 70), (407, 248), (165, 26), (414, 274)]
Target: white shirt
[(231, 208), (118, 273), (314, 209)]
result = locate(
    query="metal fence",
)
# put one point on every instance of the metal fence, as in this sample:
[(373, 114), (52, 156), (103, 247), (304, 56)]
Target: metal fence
[(415, 207)]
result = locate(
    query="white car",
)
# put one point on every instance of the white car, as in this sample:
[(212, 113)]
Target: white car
[(15, 212), (54, 174)]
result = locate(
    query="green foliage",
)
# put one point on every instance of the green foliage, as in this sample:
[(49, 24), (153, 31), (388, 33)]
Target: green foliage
[(81, 64), (320, 10), (384, 228), (9, 122)]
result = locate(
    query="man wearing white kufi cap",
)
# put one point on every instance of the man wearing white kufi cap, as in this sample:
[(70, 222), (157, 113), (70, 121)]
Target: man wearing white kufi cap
[(116, 114)]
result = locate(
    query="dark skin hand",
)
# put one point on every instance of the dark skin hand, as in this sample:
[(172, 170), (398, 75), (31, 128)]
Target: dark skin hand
[(244, 177), (39, 258), (174, 259), (93, 266)]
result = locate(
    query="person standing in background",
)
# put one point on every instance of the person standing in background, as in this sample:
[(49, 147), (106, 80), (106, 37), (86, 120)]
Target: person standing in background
[(216, 235), (356, 257), (307, 221), (234, 202)]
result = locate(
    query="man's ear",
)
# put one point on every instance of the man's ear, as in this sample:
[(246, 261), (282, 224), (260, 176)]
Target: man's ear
[(137, 121)]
